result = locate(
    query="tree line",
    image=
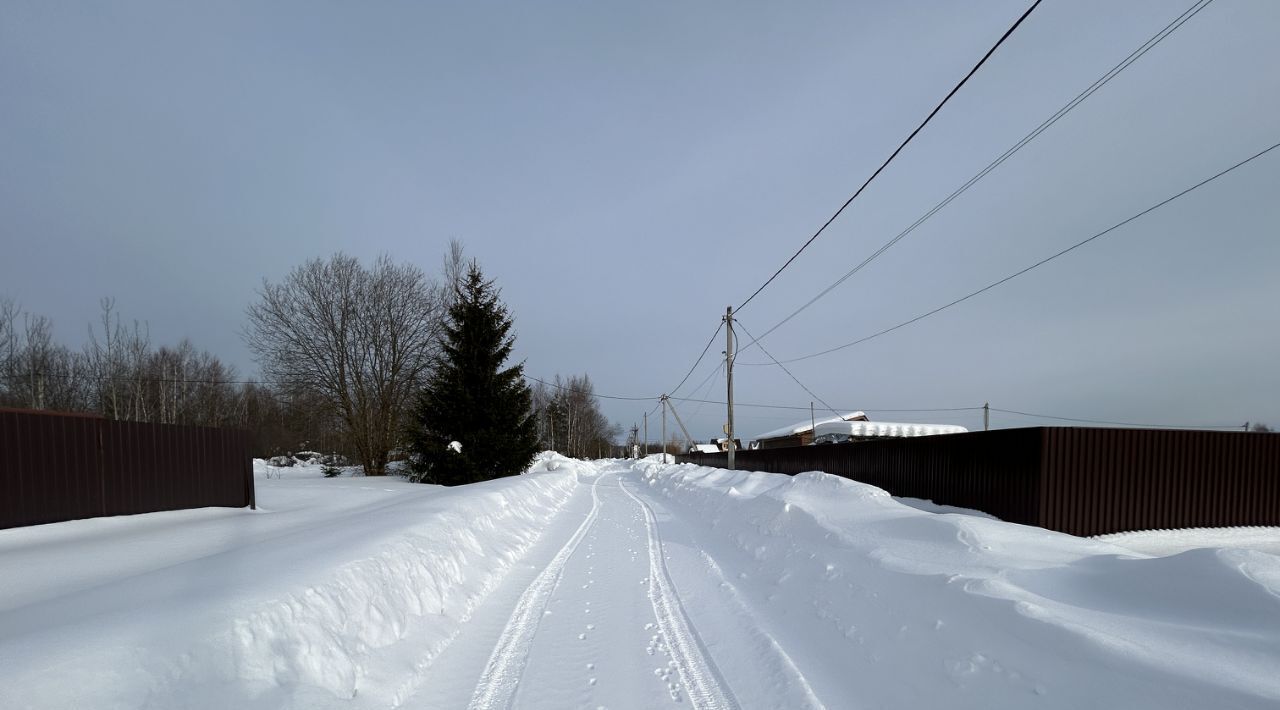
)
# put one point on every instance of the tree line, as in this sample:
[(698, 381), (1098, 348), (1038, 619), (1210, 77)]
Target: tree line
[(568, 418), (350, 356), (118, 373), (121, 374)]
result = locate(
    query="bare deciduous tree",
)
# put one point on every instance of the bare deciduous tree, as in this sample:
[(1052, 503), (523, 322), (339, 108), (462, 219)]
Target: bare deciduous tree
[(9, 312), (568, 418), (35, 371), (117, 375), (361, 339)]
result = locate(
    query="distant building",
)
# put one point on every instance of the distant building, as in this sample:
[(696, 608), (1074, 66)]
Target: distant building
[(841, 432), (801, 433), (722, 444), (854, 426)]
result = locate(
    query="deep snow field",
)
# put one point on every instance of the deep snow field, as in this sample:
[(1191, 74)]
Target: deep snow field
[(625, 584)]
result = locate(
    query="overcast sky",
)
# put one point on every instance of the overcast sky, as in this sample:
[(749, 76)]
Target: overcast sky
[(625, 171)]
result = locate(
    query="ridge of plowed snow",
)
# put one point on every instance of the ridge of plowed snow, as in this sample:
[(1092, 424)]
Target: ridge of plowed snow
[(295, 609), (970, 612)]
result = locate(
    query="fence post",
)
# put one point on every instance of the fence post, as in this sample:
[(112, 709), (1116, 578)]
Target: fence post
[(253, 491)]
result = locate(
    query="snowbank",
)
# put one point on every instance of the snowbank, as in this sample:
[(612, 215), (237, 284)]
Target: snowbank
[(1171, 542), (342, 588), (947, 610)]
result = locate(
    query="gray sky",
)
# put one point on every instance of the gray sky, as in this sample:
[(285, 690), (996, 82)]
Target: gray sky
[(627, 170)]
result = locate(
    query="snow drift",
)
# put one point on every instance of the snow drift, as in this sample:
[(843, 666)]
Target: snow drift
[(951, 610)]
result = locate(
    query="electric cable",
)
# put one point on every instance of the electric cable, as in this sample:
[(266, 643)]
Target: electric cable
[(894, 154), (1038, 264), (1080, 98), (695, 362), (789, 373), (1103, 421)]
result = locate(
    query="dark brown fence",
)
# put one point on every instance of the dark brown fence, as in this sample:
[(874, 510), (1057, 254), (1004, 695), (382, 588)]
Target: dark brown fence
[(56, 467), (1078, 480)]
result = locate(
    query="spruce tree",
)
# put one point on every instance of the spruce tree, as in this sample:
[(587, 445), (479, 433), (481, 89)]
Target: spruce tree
[(470, 398)]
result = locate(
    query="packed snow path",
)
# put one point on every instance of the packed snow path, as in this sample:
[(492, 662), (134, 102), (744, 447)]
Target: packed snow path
[(603, 617)]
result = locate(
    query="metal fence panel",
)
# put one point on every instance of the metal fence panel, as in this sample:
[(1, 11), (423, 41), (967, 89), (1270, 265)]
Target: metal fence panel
[(1113, 480), (1079, 480), (56, 467), (994, 471)]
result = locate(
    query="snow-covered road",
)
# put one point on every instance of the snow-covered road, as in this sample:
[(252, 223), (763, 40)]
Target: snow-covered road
[(624, 584), (673, 586), (602, 615)]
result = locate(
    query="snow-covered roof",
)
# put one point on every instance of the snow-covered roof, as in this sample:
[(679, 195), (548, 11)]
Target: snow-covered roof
[(706, 448), (884, 429), (806, 425)]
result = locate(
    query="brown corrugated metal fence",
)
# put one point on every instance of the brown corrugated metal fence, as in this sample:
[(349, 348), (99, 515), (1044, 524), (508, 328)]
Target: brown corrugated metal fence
[(56, 467), (1083, 481), (1097, 481)]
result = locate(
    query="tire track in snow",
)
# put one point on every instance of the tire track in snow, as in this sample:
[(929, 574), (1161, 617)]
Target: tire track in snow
[(701, 680), (501, 676), (786, 664)]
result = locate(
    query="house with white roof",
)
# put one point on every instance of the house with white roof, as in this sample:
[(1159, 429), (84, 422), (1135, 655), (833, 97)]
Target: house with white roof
[(841, 432), (854, 426), (800, 433)]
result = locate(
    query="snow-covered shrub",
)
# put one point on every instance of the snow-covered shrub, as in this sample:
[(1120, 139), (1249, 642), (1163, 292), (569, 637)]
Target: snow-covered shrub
[(331, 471)]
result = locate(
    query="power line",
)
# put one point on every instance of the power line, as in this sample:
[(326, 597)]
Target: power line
[(655, 407), (592, 394), (1103, 421), (711, 340), (136, 380), (1080, 98), (789, 374), (799, 408), (705, 385), (700, 388), (805, 408), (893, 155), (262, 383), (16, 376), (1038, 264)]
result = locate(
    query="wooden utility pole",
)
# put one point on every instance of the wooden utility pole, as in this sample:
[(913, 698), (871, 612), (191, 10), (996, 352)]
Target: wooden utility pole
[(728, 369), (646, 433), (986, 416)]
